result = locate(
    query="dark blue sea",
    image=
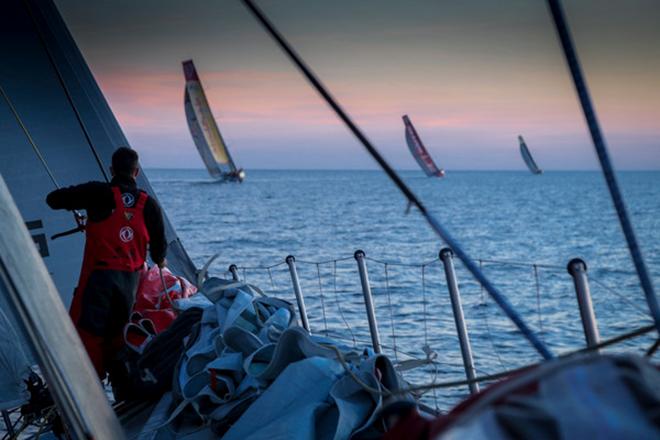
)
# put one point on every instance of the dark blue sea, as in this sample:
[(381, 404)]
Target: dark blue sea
[(522, 229)]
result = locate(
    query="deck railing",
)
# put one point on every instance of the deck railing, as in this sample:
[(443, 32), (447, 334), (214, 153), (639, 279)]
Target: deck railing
[(332, 284)]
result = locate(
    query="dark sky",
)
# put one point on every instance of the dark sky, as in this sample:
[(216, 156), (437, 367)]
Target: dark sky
[(472, 75)]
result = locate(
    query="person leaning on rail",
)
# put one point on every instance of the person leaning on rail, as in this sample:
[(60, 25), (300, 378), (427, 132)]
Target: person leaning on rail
[(122, 221)]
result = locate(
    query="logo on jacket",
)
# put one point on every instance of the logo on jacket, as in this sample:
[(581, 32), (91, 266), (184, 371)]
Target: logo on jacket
[(126, 234), (128, 199)]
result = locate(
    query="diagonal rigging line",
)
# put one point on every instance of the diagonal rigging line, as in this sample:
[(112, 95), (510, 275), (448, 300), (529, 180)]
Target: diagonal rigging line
[(580, 83), (76, 214), (29, 138), (412, 198), (67, 93)]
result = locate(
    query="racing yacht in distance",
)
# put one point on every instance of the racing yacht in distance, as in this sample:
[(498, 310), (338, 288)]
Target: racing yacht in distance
[(419, 151), (204, 130), (527, 157)]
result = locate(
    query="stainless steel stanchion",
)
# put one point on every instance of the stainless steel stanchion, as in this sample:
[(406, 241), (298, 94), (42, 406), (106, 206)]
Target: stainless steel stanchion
[(368, 300), (446, 256), (577, 268), (291, 262), (234, 272)]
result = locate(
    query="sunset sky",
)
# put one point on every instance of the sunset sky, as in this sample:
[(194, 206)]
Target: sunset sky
[(472, 75)]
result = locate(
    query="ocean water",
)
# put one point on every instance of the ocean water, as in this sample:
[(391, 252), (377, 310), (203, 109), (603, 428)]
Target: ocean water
[(523, 230)]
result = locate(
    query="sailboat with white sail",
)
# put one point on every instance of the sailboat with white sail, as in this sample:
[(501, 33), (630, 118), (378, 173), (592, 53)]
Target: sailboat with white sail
[(204, 130), (419, 151), (527, 157)]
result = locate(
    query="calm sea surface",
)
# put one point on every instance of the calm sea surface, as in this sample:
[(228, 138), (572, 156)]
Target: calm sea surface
[(523, 229)]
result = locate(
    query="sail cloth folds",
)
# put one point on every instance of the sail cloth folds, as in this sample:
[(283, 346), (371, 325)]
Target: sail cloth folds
[(419, 151), (203, 128), (527, 157)]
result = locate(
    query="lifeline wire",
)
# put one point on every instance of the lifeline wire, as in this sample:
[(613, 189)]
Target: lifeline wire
[(270, 275), (485, 378), (538, 298), (619, 295), (488, 332), (341, 312), (603, 156), (562, 269), (325, 319), (427, 346), (412, 198), (389, 304)]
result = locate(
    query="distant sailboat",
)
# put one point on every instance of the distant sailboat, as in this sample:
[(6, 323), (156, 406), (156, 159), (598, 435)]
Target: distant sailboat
[(204, 130), (419, 152), (527, 157)]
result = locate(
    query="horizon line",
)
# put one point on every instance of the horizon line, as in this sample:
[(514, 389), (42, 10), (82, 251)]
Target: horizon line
[(552, 170)]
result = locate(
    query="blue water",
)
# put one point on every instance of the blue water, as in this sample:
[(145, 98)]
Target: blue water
[(536, 222)]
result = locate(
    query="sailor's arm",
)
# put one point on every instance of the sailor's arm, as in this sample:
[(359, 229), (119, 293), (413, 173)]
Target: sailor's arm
[(82, 196), (153, 219)]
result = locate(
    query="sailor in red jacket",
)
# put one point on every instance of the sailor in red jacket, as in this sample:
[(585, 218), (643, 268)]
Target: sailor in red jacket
[(122, 221)]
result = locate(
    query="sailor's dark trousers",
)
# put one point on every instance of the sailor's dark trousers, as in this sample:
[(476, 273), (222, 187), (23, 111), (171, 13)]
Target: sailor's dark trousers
[(100, 310)]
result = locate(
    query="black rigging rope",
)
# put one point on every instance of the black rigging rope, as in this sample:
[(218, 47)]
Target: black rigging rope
[(603, 156), (651, 351), (501, 301)]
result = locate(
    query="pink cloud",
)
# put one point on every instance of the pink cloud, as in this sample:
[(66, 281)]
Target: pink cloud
[(250, 103)]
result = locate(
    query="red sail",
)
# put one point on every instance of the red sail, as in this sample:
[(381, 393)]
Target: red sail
[(419, 152)]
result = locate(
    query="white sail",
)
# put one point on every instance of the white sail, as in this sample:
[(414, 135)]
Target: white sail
[(203, 127)]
